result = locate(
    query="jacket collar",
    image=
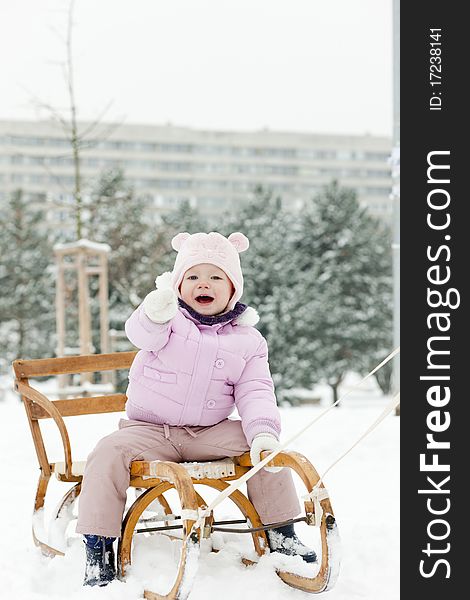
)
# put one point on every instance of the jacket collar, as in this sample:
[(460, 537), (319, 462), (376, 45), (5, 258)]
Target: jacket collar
[(241, 314)]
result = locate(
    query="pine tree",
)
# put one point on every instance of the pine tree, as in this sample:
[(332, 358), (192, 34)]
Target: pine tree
[(185, 218), (26, 281), (121, 219), (345, 278)]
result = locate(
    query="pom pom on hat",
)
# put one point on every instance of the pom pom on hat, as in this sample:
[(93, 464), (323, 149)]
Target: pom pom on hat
[(178, 240), (239, 240)]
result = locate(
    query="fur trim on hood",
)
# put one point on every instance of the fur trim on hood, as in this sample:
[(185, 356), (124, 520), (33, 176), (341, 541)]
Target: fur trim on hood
[(249, 318)]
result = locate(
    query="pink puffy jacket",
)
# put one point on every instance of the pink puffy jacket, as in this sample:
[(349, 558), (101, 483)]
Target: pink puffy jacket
[(189, 374)]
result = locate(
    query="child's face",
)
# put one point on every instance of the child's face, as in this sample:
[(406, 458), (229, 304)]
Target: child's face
[(206, 289)]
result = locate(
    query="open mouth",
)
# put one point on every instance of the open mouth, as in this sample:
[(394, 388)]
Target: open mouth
[(202, 299)]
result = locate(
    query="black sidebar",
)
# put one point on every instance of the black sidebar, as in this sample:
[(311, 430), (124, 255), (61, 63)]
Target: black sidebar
[(435, 367)]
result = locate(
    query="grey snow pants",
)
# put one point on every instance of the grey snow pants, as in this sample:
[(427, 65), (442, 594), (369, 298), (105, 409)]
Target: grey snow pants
[(107, 472)]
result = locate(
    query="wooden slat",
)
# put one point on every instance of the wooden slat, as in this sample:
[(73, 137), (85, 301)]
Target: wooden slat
[(73, 364), (37, 440), (32, 395), (142, 468), (83, 406)]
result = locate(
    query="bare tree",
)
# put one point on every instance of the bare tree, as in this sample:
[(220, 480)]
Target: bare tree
[(79, 273), (92, 134)]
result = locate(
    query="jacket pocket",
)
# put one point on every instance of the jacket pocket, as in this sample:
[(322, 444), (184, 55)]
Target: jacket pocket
[(228, 366), (157, 375), (219, 403)]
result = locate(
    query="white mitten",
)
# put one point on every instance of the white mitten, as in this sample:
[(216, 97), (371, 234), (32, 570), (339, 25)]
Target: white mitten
[(160, 305), (263, 441)]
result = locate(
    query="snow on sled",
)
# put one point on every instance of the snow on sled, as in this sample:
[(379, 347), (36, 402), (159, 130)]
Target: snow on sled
[(158, 478)]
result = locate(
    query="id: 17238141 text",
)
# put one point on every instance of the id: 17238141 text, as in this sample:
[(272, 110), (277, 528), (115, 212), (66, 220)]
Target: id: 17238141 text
[(435, 69)]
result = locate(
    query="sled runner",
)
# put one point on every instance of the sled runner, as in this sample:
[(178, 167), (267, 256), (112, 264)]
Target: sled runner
[(155, 478)]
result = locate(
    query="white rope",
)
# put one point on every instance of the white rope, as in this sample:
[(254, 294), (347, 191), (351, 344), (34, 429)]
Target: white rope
[(394, 402), (234, 485), (192, 515), (317, 495)]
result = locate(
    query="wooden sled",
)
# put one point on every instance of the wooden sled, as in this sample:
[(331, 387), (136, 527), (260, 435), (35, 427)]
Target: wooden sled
[(156, 478)]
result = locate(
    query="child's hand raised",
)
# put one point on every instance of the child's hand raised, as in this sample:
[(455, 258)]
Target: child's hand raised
[(160, 306), (263, 441)]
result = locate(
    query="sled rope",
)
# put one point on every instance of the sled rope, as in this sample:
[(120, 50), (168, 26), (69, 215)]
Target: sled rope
[(395, 401), (234, 485), (319, 493)]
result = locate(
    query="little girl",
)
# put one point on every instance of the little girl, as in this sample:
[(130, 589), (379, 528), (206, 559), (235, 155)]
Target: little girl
[(200, 357)]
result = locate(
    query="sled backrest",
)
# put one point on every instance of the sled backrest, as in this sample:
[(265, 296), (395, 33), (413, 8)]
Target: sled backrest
[(38, 406)]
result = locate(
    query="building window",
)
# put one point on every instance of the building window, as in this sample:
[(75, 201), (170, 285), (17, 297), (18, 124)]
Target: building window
[(376, 156), (177, 148), (344, 155), (146, 147), (377, 173), (377, 191)]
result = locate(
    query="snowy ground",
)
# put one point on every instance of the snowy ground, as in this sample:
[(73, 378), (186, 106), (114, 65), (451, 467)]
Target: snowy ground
[(364, 490)]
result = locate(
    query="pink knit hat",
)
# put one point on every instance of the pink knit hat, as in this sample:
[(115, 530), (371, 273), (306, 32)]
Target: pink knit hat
[(212, 248)]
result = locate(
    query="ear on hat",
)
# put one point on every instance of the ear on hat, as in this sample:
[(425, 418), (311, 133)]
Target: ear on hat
[(239, 240), (178, 240)]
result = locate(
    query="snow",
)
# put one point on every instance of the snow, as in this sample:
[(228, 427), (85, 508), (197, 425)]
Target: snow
[(363, 487), (82, 243)]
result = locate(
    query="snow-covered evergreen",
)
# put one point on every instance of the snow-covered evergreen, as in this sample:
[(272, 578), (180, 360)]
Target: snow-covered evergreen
[(344, 288), (121, 219), (27, 323), (185, 218)]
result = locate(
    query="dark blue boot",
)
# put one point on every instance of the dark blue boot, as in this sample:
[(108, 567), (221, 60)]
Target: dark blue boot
[(100, 568), (284, 540)]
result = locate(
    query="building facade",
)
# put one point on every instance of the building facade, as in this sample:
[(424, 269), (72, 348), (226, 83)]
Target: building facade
[(212, 169)]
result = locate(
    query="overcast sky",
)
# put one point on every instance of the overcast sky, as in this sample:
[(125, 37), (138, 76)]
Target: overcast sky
[(299, 65)]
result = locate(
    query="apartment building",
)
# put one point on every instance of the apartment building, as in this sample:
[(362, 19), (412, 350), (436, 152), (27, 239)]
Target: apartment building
[(212, 169)]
